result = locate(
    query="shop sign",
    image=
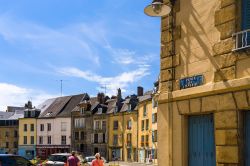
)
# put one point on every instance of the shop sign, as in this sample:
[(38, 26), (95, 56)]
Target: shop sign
[(190, 82)]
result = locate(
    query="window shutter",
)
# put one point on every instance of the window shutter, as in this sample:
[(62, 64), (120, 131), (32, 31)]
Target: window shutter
[(245, 14)]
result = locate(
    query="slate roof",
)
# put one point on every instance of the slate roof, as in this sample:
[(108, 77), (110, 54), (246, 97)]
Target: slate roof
[(55, 107), (45, 104), (73, 102), (5, 115), (18, 114), (147, 96)]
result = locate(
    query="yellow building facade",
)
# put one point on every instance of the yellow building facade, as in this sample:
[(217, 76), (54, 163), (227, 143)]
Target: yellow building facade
[(115, 136), (130, 135), (9, 138), (204, 90), (145, 143), (27, 137)]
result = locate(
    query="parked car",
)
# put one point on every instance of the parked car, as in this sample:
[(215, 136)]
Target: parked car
[(59, 159), (88, 160), (14, 160)]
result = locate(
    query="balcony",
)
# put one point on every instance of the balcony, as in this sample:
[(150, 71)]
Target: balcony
[(242, 40)]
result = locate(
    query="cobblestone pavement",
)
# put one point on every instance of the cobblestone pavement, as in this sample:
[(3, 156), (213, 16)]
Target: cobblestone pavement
[(128, 164)]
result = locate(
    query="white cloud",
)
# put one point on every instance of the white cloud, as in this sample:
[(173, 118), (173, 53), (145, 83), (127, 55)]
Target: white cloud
[(112, 83), (12, 95)]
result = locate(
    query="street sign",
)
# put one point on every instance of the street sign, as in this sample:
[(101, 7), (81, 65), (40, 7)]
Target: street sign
[(190, 82)]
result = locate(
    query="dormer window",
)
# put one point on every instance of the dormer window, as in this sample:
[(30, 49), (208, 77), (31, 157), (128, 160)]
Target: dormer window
[(99, 110), (129, 107), (82, 110)]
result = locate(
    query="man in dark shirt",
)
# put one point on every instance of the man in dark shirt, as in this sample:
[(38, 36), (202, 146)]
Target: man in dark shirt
[(73, 160)]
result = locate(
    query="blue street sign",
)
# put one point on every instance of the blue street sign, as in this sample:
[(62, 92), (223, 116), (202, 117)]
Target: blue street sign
[(190, 82)]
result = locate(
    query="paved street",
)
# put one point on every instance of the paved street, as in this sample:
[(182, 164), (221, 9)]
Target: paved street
[(128, 164)]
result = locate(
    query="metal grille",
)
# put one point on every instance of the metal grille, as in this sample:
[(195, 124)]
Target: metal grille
[(242, 40)]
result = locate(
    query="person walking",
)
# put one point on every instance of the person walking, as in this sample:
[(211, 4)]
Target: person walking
[(98, 160), (73, 160)]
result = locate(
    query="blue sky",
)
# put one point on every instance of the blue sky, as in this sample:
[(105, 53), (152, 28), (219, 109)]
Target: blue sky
[(87, 43)]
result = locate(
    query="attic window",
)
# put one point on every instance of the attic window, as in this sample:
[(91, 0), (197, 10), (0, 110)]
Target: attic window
[(129, 107), (82, 110), (100, 110)]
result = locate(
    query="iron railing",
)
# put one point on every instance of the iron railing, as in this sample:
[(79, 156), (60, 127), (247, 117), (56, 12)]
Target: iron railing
[(242, 40)]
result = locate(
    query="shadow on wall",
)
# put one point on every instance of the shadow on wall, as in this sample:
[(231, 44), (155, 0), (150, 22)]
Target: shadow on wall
[(195, 31)]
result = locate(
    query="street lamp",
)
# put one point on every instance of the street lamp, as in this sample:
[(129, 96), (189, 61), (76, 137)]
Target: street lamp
[(157, 9)]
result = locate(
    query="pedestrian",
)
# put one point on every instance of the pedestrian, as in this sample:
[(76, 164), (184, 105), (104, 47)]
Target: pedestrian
[(73, 160), (98, 160)]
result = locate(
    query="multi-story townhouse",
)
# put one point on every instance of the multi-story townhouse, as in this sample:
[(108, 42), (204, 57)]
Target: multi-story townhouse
[(145, 145), (99, 135), (130, 124), (54, 126), (9, 130), (203, 111), (82, 126), (27, 133), (115, 128)]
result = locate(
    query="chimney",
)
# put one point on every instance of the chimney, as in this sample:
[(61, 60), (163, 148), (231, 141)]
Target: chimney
[(119, 94), (101, 98), (28, 105), (139, 91)]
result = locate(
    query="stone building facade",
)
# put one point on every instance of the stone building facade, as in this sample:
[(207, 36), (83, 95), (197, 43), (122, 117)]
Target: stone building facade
[(204, 85)]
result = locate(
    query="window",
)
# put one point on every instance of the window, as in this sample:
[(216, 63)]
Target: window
[(15, 145), (31, 127), (115, 125), (32, 140), (243, 37), (154, 136), (99, 110), (63, 126), (7, 145), (103, 138), (95, 138), (104, 125), (115, 139), (82, 135), (142, 140), (129, 107), (41, 127), (147, 140), (48, 126), (129, 139), (245, 15), (6, 134), (97, 125), (154, 153), (63, 140), (15, 134), (82, 110), (24, 140), (129, 124), (79, 122), (142, 125), (49, 140), (147, 124), (76, 135), (154, 118), (25, 127), (145, 110), (40, 140)]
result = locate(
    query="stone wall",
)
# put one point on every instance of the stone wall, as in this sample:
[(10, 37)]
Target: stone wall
[(197, 39)]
